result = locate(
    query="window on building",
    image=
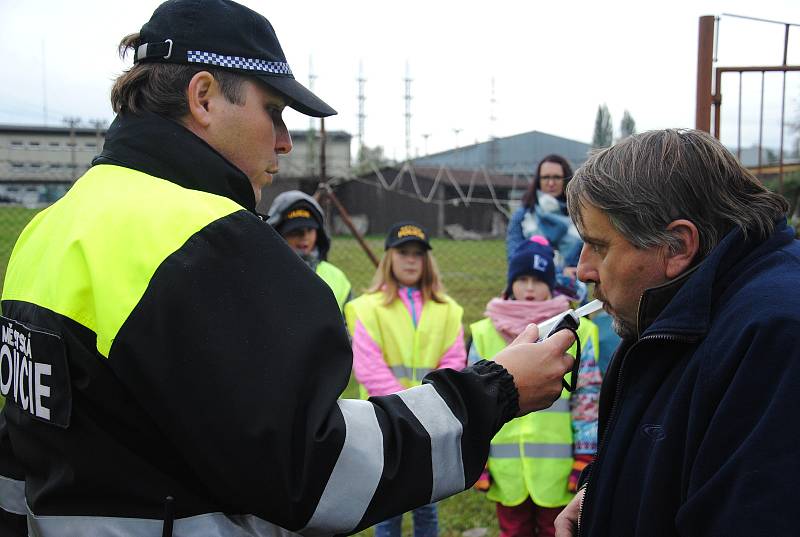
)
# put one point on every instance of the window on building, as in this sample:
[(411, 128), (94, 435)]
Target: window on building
[(17, 165), (55, 165), (34, 143), (54, 144), (35, 165), (16, 142), (91, 144)]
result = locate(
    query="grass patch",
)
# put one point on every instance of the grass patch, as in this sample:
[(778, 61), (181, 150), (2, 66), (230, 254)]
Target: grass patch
[(457, 514), (12, 221)]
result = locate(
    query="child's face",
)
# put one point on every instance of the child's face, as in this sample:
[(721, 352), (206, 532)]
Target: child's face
[(528, 287), (302, 240), (407, 263)]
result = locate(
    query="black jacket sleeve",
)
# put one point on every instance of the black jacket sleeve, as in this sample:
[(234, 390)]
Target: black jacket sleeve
[(243, 354), (13, 521)]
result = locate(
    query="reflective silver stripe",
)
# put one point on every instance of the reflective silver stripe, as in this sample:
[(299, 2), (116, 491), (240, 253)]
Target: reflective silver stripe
[(408, 372), (549, 451), (561, 405), (356, 474), (12, 496), (445, 431), (504, 451), (422, 371), (401, 371), (207, 525), (540, 451)]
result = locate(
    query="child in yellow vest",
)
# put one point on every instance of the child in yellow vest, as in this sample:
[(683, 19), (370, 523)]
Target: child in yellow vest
[(403, 327), (534, 461), (299, 219)]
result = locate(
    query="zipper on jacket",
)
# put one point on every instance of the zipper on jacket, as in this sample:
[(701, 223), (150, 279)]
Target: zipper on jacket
[(410, 295), (612, 416)]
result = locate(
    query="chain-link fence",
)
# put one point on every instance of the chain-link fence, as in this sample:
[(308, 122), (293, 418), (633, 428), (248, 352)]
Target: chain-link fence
[(472, 271), (13, 219)]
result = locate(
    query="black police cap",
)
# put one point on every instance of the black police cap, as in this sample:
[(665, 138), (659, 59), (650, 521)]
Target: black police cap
[(224, 35)]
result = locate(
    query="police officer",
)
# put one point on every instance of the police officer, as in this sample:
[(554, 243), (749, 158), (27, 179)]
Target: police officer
[(188, 387)]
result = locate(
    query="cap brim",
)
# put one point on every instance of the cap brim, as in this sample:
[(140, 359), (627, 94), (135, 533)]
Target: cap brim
[(301, 98), (406, 240), (297, 223)]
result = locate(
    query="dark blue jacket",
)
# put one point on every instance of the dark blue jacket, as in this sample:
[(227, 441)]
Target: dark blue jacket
[(699, 416)]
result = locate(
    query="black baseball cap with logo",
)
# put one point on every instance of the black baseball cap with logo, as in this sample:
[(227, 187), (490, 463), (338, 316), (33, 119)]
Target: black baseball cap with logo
[(300, 215), (224, 35), (405, 232)]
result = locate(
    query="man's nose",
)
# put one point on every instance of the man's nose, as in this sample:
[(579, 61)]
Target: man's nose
[(283, 140), (585, 270)]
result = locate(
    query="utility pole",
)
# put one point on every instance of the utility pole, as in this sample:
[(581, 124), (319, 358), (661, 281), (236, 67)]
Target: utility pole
[(492, 123), (72, 122), (99, 126), (361, 115), (425, 137), (456, 131), (311, 135), (44, 85), (407, 80)]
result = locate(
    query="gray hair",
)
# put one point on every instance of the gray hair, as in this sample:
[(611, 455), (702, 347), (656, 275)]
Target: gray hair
[(651, 179)]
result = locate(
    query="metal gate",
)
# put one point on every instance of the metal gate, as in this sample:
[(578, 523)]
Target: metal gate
[(710, 96)]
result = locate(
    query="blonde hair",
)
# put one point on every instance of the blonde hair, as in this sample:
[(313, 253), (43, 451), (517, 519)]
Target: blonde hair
[(430, 284)]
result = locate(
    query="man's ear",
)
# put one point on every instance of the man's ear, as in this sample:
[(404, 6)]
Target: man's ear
[(199, 93), (680, 259)]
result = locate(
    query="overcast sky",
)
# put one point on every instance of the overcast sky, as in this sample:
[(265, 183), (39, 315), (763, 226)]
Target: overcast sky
[(552, 63)]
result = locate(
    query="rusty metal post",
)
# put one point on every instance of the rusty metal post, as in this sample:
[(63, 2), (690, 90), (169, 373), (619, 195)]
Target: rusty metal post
[(783, 109), (328, 191), (705, 58), (323, 174)]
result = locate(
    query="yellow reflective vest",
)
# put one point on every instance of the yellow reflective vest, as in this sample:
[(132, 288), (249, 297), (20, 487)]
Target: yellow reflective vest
[(411, 352), (531, 455), (336, 280)]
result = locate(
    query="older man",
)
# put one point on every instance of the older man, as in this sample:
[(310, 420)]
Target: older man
[(162, 369), (696, 264)]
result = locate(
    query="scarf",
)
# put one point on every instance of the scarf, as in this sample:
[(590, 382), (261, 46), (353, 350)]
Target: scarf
[(511, 317)]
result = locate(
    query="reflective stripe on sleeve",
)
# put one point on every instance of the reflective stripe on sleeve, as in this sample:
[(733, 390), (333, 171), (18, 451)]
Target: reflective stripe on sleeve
[(540, 451), (207, 525), (445, 431), (12, 496), (561, 405), (356, 474), (402, 371)]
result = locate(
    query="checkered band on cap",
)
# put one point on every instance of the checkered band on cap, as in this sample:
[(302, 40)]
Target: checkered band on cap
[(235, 62)]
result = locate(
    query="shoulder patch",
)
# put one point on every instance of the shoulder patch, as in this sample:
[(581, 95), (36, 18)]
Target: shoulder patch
[(33, 372)]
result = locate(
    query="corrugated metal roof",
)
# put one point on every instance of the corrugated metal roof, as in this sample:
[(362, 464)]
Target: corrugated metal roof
[(519, 153)]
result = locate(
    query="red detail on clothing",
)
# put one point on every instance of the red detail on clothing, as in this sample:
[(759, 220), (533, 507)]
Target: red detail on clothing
[(527, 519)]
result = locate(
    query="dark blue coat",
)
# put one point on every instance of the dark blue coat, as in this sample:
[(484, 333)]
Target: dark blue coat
[(699, 416)]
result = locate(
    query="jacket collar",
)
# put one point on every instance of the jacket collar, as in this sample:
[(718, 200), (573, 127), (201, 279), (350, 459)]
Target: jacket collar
[(683, 306), (165, 149)]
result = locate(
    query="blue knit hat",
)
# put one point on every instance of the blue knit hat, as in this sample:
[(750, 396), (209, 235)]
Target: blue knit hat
[(533, 257)]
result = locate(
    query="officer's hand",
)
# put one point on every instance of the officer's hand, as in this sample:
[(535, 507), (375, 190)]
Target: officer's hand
[(537, 368), (567, 521)]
